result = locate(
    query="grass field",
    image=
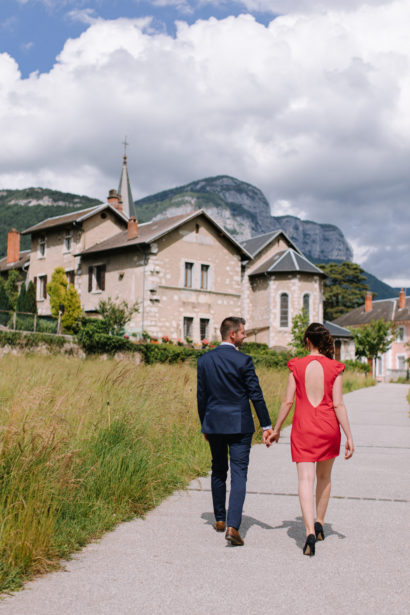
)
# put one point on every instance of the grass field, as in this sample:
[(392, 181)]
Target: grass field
[(85, 444)]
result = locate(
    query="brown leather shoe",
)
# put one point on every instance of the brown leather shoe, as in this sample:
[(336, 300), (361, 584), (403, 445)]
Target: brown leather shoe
[(220, 526), (233, 536)]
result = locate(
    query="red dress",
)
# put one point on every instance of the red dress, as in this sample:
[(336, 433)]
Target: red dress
[(315, 429)]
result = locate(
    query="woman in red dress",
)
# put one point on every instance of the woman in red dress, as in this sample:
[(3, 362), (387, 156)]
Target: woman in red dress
[(316, 381)]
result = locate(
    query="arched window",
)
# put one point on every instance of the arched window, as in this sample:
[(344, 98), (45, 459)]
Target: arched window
[(306, 304), (284, 310)]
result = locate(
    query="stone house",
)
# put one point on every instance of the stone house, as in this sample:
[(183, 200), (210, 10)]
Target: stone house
[(393, 363)]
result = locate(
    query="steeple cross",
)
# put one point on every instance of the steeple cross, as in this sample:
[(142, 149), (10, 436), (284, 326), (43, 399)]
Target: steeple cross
[(125, 144)]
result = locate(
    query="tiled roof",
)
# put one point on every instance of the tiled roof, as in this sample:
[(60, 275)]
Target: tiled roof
[(254, 245), (77, 216), (336, 330), (287, 261), (386, 309), (149, 232), (24, 258)]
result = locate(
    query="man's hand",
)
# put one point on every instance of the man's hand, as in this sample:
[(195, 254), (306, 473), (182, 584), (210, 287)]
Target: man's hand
[(266, 434), (206, 437)]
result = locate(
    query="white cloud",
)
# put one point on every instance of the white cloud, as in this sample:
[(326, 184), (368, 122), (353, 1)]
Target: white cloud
[(312, 109), (86, 16)]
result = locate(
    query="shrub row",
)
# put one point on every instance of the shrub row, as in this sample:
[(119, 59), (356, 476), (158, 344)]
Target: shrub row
[(30, 340)]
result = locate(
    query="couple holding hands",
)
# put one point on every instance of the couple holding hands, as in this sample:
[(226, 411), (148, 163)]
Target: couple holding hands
[(227, 381)]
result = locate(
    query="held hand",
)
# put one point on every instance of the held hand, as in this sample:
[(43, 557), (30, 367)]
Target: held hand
[(273, 437), (266, 434), (206, 437), (349, 448)]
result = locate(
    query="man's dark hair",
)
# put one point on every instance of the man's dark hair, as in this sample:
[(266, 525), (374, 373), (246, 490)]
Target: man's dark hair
[(232, 323)]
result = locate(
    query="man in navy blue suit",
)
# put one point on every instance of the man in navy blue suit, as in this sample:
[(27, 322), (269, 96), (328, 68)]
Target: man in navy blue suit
[(226, 382)]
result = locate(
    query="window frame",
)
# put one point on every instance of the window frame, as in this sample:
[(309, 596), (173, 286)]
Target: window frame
[(204, 276), (188, 274), (284, 294), (207, 328), (185, 331), (308, 297)]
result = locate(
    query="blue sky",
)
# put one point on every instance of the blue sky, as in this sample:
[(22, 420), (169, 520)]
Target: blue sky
[(306, 99), (33, 32)]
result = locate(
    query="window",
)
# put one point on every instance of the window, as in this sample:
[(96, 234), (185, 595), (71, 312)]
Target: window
[(42, 246), (284, 310), (338, 350), (41, 287), (68, 241), (401, 362), (188, 275), (70, 275), (188, 326), (204, 328), (401, 334), (306, 304), (96, 278), (204, 276)]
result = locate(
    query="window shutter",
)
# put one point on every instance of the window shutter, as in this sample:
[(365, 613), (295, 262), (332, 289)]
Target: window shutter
[(35, 285), (45, 288), (103, 268), (90, 279)]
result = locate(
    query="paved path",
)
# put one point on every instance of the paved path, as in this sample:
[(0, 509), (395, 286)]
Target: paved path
[(173, 562)]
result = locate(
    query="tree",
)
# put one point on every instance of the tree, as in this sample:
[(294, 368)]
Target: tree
[(116, 314), (12, 287), (72, 310), (344, 289), (56, 290), (372, 340), (299, 325), (22, 303), (31, 298), (4, 304)]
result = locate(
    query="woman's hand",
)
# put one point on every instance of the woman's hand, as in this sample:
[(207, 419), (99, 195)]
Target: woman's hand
[(273, 437), (349, 448)]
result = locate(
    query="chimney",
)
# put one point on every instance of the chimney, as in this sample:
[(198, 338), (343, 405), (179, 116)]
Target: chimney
[(114, 200), (13, 246), (368, 302), (132, 228), (402, 299)]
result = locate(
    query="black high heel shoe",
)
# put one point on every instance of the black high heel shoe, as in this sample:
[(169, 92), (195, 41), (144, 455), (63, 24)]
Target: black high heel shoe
[(320, 535), (309, 548)]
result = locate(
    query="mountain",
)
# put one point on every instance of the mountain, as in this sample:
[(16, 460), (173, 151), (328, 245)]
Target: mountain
[(243, 210), (21, 209)]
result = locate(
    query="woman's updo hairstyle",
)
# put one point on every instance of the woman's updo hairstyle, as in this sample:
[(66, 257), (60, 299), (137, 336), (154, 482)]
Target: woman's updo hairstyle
[(321, 339)]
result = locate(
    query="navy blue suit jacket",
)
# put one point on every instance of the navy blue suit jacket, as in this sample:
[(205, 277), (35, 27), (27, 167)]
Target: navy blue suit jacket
[(226, 382)]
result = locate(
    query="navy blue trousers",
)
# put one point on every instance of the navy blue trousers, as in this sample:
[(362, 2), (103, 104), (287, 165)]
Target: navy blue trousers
[(238, 447)]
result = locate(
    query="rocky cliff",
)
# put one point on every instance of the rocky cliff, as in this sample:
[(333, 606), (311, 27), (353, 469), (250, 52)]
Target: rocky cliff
[(244, 211)]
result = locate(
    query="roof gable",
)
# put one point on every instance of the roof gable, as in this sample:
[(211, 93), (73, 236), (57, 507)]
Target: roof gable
[(256, 244), (73, 217), (150, 232)]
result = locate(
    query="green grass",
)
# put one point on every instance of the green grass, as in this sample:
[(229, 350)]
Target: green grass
[(86, 444)]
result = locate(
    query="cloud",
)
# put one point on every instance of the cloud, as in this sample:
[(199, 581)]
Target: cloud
[(86, 16), (312, 109)]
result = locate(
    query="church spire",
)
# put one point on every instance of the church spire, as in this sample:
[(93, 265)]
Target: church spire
[(124, 189)]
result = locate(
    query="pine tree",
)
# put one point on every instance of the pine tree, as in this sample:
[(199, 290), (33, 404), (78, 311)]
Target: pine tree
[(56, 290), (344, 289), (21, 304), (4, 299), (31, 298)]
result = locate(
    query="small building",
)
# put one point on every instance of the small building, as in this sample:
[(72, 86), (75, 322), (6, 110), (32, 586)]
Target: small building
[(394, 363), (344, 343), (278, 282), (16, 259)]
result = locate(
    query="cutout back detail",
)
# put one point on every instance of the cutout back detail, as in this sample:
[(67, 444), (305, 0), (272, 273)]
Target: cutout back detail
[(314, 383)]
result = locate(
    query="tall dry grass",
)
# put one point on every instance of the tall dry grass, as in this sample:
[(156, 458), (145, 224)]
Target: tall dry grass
[(85, 444)]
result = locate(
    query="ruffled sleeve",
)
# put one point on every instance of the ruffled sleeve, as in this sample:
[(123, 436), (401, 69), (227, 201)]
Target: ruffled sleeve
[(339, 367), (292, 364)]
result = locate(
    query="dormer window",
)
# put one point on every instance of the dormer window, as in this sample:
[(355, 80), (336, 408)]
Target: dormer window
[(42, 246), (68, 241)]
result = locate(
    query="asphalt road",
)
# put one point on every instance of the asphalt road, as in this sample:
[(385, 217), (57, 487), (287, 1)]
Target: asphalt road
[(173, 562)]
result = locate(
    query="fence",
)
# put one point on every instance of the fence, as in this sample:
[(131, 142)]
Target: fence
[(27, 321)]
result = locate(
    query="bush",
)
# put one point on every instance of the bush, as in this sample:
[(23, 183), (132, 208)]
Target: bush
[(93, 338), (357, 366), (31, 340)]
